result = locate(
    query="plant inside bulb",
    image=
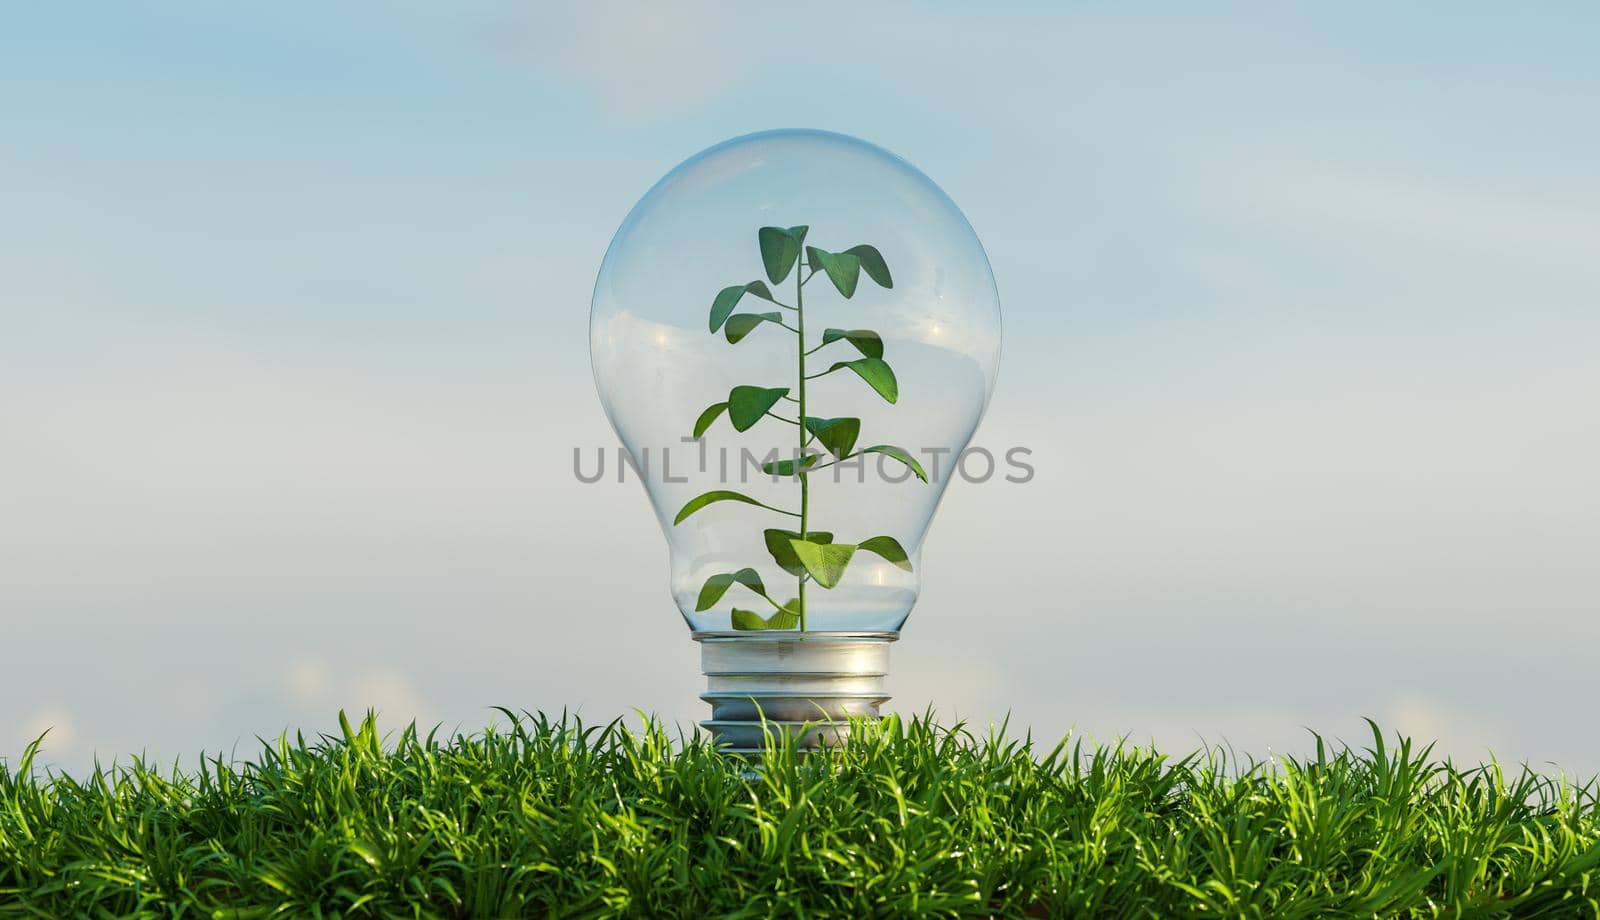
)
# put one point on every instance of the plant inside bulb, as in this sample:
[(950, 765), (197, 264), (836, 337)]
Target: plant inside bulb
[(900, 348), (808, 554)]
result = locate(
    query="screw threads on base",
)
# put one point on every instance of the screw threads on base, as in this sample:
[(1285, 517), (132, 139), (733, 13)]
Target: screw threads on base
[(806, 685)]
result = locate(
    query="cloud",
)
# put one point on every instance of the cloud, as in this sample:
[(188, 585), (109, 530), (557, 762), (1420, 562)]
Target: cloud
[(307, 681), (313, 686), (635, 56), (62, 732), (395, 698), (1468, 737), (1501, 225)]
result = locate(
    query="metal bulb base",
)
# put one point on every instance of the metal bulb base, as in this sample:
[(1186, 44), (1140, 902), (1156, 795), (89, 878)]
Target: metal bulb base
[(804, 685)]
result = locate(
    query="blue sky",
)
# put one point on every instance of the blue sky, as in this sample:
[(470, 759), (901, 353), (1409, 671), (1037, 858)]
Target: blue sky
[(1300, 322)]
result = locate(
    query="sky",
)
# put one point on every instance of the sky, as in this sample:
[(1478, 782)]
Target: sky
[(1302, 307)]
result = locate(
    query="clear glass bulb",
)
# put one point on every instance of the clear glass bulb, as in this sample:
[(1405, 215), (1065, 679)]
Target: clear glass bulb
[(697, 305)]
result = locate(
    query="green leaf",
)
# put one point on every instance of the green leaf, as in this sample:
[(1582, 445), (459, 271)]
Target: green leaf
[(748, 619), (787, 616), (825, 561), (729, 297), (780, 248), (872, 263), (746, 405), (843, 269), (838, 435), (866, 341), (887, 547), (876, 373), (708, 417), (741, 324), (718, 585), (715, 495), (783, 554), (787, 467), (898, 454)]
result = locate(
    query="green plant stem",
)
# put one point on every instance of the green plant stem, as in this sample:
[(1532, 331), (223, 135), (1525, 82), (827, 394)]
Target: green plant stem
[(805, 485)]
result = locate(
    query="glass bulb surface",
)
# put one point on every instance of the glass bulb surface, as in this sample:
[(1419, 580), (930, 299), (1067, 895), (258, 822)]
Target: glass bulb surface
[(661, 357)]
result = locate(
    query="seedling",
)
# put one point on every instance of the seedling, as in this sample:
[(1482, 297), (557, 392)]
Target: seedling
[(808, 554)]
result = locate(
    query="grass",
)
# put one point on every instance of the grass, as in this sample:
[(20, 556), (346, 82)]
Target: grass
[(548, 817)]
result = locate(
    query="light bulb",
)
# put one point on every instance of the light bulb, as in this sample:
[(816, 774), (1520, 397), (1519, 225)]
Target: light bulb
[(771, 269)]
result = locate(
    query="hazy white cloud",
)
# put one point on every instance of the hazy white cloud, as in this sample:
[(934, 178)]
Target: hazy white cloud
[(636, 56), (1490, 223), (308, 682), (315, 687), (1467, 736), (951, 681), (59, 728), (394, 696)]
